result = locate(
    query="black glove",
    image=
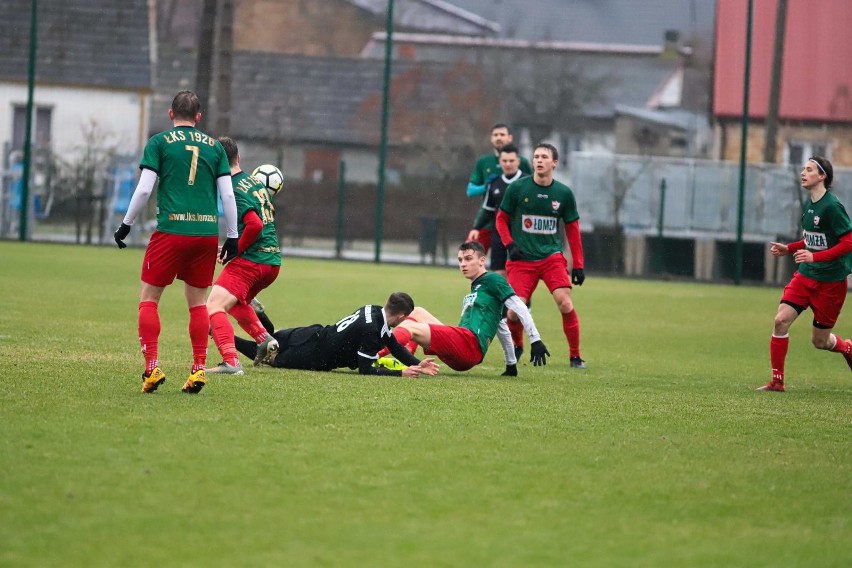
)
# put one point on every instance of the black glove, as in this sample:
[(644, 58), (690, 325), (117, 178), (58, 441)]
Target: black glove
[(511, 371), (538, 353), (578, 276), (514, 252), (121, 234), (229, 250)]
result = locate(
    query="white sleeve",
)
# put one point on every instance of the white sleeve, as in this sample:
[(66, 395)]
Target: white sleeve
[(141, 195), (516, 305), (505, 337), (229, 205)]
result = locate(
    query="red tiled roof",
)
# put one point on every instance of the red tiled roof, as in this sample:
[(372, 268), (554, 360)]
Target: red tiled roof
[(817, 68)]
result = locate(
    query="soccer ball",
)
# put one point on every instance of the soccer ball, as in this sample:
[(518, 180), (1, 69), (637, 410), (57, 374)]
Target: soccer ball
[(269, 176)]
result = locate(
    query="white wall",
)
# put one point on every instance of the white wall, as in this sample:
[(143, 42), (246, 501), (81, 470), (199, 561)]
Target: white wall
[(121, 116)]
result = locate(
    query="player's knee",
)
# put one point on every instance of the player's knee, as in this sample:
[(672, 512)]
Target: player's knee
[(821, 342)]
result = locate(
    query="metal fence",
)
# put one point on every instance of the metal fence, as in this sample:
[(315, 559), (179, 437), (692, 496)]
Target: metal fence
[(691, 198)]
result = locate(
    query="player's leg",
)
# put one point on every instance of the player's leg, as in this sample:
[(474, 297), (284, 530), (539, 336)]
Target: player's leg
[(402, 332), (523, 278), (780, 342), (159, 268), (498, 255), (262, 316), (267, 346), (555, 276), (197, 264), (219, 303), (826, 304)]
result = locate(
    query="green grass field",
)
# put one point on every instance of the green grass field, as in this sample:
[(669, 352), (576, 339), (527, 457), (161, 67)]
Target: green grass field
[(660, 454)]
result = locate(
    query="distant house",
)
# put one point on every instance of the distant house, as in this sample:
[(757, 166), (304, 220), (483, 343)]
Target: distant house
[(93, 73), (815, 111)]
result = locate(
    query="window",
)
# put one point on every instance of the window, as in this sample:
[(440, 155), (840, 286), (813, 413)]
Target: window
[(797, 151), (41, 126)]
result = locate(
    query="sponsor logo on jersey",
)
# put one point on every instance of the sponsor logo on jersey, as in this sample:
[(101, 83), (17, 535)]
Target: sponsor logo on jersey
[(555, 204), (816, 220), (539, 225), (468, 301), (815, 241)]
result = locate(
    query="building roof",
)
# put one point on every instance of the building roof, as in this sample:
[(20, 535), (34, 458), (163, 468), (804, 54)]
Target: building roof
[(103, 43), (432, 16), (816, 76), (598, 21), (295, 98)]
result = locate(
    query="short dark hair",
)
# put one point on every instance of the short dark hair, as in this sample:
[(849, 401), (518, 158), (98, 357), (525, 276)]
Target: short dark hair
[(186, 105), (399, 303), (826, 168), (231, 149), (501, 125), (509, 149), (475, 246), (553, 151)]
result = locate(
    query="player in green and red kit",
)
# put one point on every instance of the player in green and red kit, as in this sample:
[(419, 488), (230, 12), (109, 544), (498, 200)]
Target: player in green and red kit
[(256, 267), (824, 260), (528, 223), (483, 316), (191, 167), (488, 169)]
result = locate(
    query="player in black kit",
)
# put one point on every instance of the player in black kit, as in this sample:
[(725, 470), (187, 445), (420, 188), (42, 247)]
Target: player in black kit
[(352, 342)]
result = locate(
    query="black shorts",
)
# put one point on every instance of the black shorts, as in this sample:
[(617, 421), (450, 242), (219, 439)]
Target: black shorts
[(498, 252), (300, 348)]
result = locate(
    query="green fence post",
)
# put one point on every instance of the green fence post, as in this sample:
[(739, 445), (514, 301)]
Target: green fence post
[(659, 264), (341, 197)]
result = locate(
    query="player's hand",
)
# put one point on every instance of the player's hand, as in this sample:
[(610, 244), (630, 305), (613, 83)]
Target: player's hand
[(538, 353), (429, 367), (412, 371), (511, 371), (779, 249), (473, 235), (229, 250), (803, 256), (121, 234), (514, 252), (578, 276)]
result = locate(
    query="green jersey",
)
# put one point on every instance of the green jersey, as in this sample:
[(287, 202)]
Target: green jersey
[(251, 195), (535, 211), (488, 168), (483, 308), (187, 163), (823, 223)]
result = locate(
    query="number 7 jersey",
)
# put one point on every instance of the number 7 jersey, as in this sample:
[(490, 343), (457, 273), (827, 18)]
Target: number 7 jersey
[(187, 163)]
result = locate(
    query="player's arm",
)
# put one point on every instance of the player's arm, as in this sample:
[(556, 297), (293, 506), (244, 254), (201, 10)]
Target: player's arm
[(141, 195), (252, 226), (476, 184), (538, 351), (843, 246), (575, 244), (229, 205), (505, 338)]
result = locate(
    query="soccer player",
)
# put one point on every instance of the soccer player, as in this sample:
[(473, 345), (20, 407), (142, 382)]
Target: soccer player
[(353, 342), (528, 223), (191, 166), (510, 162), (255, 268), (483, 315), (487, 167), (824, 260)]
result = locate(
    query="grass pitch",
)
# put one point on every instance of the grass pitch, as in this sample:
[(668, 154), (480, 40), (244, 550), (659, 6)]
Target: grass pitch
[(660, 454)]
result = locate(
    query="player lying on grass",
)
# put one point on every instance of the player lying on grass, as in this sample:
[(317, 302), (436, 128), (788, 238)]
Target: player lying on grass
[(353, 342), (483, 315)]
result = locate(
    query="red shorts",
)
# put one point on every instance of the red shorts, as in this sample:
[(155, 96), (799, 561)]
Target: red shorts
[(188, 258), (455, 346), (523, 275), (245, 279), (485, 239), (825, 299)]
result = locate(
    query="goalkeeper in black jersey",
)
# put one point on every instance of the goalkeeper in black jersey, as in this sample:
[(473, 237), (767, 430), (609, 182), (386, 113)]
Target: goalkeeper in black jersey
[(353, 342)]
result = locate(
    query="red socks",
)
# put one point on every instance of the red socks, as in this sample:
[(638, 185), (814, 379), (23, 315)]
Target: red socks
[(149, 333), (571, 327), (223, 337), (842, 345), (517, 330), (199, 326), (777, 354), (245, 316)]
